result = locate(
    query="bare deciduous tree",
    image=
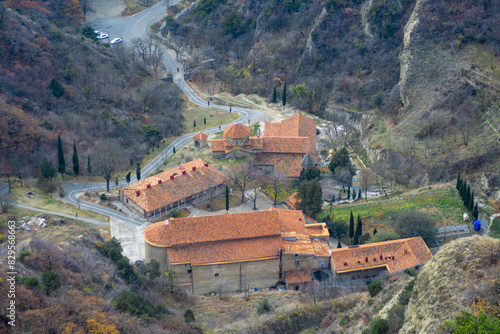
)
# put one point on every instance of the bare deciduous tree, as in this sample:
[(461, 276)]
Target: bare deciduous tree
[(242, 177), (221, 287), (276, 182), (108, 159)]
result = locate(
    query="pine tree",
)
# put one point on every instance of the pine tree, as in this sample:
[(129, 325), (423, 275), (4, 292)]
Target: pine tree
[(348, 193), (138, 172), (128, 178), (374, 231), (76, 163), (89, 166), (194, 124), (227, 198), (61, 163), (284, 94), (339, 245), (351, 226), (204, 120), (359, 227), (275, 98)]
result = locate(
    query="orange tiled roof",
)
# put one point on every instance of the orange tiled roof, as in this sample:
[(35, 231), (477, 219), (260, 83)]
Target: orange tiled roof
[(163, 190), (236, 131), (297, 125), (285, 145), (395, 255), (218, 145), (289, 163), (235, 237), (298, 276), (200, 136), (226, 251)]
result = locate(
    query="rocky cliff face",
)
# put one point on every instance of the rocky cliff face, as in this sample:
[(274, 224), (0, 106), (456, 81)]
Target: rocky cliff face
[(463, 275)]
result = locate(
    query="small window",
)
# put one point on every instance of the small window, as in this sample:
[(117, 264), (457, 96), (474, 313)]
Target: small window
[(127, 200), (297, 263), (216, 275), (296, 255), (190, 271), (296, 288)]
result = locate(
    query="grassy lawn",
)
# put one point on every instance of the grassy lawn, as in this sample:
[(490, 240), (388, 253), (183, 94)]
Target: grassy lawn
[(213, 117), (220, 203), (443, 205), (495, 228), (45, 202)]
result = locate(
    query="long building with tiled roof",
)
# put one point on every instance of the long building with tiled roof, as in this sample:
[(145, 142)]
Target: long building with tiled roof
[(289, 145), (256, 247), (191, 183), (369, 260)]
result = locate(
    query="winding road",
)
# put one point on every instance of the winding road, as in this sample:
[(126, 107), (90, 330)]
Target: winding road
[(129, 28)]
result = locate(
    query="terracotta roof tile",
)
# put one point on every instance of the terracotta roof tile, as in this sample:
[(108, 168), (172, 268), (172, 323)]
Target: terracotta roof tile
[(236, 131), (285, 145), (298, 276), (395, 255), (226, 251), (200, 136), (235, 237), (159, 190), (289, 163), (218, 145)]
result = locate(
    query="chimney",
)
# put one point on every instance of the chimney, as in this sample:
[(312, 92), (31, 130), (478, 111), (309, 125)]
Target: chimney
[(138, 193), (171, 177), (366, 259), (206, 164), (374, 259), (148, 185), (160, 181), (345, 263), (381, 257), (393, 258), (300, 219), (183, 172), (194, 168)]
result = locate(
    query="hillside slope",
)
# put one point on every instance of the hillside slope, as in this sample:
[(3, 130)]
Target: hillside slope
[(463, 276), (75, 87), (426, 72)]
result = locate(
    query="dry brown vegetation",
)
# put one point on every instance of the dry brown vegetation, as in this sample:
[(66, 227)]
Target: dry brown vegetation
[(463, 275)]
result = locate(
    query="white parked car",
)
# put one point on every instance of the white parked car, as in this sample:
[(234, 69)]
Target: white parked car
[(116, 40), (102, 35)]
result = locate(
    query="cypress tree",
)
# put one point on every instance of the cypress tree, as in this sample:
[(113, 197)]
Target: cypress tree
[(138, 172), (204, 120), (458, 181), (354, 194), (194, 124), (284, 94), (89, 166), (475, 212), (76, 163), (61, 163), (471, 202), (116, 181), (467, 197), (374, 231), (131, 162), (356, 239), (359, 193), (351, 226), (275, 98), (359, 227), (348, 193), (227, 198), (173, 150), (128, 178), (339, 245)]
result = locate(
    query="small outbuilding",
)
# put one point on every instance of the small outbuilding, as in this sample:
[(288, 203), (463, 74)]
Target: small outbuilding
[(200, 140)]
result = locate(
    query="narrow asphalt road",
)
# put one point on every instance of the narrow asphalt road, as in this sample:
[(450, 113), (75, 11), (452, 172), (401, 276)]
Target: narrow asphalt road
[(134, 27)]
